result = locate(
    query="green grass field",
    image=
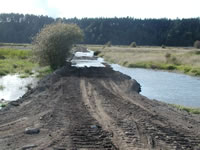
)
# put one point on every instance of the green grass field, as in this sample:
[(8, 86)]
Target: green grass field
[(15, 61), (184, 60), (20, 61)]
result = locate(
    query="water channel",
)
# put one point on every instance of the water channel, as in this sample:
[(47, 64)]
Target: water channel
[(164, 86)]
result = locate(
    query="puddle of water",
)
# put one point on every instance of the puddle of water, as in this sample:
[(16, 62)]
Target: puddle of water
[(84, 54), (14, 87), (86, 59), (87, 63)]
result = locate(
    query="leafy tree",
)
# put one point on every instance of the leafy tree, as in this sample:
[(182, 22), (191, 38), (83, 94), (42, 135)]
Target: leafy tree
[(163, 46), (52, 45)]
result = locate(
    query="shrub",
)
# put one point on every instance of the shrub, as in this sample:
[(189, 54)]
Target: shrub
[(2, 57), (1, 87), (197, 44), (3, 72), (197, 52), (125, 63), (171, 59), (163, 46), (171, 67), (3, 105), (109, 44), (96, 53), (167, 56), (28, 71), (44, 71), (15, 66), (195, 71), (186, 70), (133, 44), (52, 45), (174, 60)]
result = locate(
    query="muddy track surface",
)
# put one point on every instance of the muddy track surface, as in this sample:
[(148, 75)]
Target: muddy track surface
[(91, 109)]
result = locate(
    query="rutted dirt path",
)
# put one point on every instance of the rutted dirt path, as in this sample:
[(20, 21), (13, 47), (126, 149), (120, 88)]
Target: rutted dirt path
[(94, 108)]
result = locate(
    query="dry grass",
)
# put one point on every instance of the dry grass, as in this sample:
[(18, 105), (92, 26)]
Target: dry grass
[(182, 59)]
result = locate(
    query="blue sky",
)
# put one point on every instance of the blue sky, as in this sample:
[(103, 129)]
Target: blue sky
[(104, 8)]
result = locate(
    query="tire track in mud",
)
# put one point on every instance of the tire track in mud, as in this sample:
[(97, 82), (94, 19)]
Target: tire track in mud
[(84, 131), (120, 138), (154, 132), (81, 131), (164, 132), (96, 110)]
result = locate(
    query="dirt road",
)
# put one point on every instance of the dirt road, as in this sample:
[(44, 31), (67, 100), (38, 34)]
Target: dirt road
[(94, 108)]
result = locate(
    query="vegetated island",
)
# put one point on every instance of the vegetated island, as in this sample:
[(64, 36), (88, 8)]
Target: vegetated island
[(94, 108)]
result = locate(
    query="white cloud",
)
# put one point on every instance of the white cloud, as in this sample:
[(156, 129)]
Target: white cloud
[(21, 6), (105, 8)]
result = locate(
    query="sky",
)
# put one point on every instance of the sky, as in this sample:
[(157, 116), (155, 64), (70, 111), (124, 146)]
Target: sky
[(104, 8)]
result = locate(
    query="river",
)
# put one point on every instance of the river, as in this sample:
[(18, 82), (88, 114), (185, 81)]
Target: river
[(173, 88), (165, 86)]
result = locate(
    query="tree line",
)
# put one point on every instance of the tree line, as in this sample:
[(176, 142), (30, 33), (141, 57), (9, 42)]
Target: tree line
[(19, 28)]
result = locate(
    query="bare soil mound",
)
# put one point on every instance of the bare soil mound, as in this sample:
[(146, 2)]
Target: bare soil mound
[(94, 108)]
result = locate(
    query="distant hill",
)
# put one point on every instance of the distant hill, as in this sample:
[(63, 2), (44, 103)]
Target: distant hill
[(19, 28)]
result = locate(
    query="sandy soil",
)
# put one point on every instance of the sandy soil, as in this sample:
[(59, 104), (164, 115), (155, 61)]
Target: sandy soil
[(94, 108)]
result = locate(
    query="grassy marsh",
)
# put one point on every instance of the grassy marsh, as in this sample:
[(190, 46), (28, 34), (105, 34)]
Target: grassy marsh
[(185, 60), (16, 61), (20, 61), (187, 109)]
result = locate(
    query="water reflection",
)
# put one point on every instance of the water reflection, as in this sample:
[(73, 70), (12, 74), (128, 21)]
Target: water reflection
[(166, 86), (86, 59), (13, 87)]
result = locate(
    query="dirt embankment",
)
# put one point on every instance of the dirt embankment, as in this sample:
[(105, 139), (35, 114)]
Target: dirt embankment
[(94, 108)]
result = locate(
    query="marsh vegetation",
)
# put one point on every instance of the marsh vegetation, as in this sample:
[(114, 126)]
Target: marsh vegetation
[(184, 60), (20, 61), (15, 61), (187, 109)]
